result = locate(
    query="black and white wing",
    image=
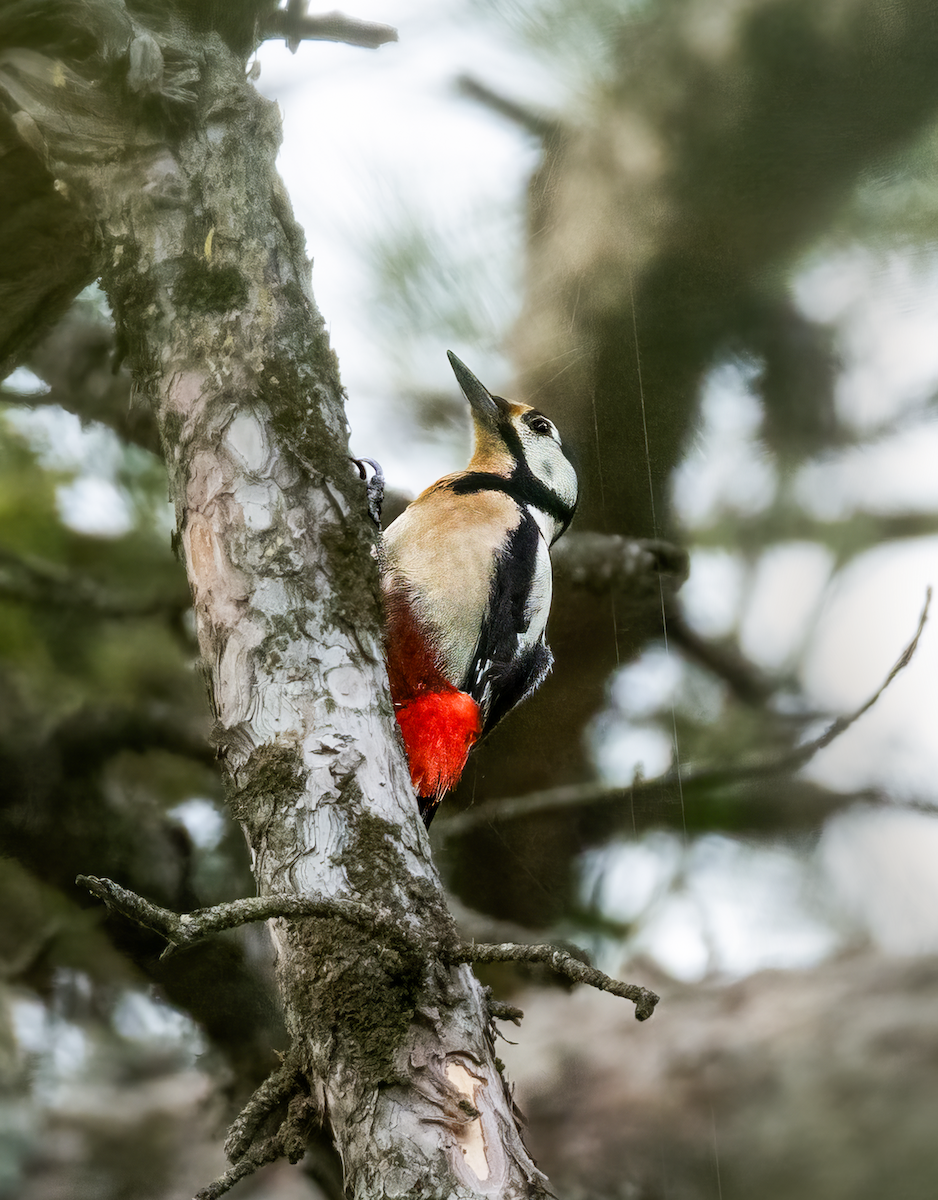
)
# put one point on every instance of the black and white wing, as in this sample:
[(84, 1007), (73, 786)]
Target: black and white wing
[(511, 657)]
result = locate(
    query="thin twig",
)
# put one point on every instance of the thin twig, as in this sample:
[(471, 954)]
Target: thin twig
[(564, 964), (500, 1010), (537, 123), (276, 1088), (513, 808), (804, 753), (327, 27), (589, 795), (184, 929), (43, 583), (267, 1151)]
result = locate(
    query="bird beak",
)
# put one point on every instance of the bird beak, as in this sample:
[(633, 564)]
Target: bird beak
[(488, 409)]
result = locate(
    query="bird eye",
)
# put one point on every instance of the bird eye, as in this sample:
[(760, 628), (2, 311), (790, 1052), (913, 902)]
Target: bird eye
[(540, 425)]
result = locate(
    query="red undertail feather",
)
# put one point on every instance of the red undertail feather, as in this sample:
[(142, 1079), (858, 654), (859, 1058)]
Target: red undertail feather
[(439, 730), (439, 723)]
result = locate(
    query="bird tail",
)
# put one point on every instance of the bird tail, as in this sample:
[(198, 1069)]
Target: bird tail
[(439, 730)]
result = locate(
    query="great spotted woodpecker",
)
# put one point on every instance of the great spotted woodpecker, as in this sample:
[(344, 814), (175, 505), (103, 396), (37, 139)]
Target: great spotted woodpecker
[(467, 587)]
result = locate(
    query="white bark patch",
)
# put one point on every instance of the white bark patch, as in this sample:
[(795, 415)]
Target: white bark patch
[(246, 439), (322, 832), (296, 519), (235, 697), (349, 687), (272, 597), (259, 502), (276, 716), (469, 1137)]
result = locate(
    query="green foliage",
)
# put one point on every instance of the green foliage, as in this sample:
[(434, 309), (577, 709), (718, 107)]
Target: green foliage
[(429, 278), (67, 650), (43, 932), (581, 45)]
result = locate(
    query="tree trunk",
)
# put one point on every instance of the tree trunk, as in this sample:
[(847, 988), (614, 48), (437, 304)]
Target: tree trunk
[(165, 153)]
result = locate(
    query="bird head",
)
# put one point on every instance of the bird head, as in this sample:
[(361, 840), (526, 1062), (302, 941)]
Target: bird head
[(520, 444)]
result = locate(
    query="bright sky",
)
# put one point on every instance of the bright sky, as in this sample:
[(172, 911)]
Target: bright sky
[(372, 135)]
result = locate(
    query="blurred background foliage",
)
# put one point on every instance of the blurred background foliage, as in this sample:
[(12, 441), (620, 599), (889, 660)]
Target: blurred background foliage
[(701, 235)]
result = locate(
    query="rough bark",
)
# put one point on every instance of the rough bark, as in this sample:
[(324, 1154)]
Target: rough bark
[(165, 154)]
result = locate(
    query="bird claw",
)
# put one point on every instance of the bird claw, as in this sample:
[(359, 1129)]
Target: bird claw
[(374, 487)]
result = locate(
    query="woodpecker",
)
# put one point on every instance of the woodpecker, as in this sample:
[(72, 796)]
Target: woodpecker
[(466, 578)]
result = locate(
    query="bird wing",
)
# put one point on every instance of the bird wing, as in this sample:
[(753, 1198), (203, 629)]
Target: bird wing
[(511, 657)]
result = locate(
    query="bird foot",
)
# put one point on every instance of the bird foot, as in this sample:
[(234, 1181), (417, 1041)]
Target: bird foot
[(374, 486)]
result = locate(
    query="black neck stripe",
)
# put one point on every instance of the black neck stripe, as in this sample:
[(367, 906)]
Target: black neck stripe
[(522, 487)]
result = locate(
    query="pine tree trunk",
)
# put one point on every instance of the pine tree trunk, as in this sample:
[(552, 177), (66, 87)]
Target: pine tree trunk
[(165, 154)]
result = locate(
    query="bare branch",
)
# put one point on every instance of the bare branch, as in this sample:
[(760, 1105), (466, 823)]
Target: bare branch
[(514, 808), (288, 1142), (294, 25), (743, 678), (184, 929), (44, 583), (89, 737), (632, 567), (519, 114), (276, 1088), (563, 963), (78, 360), (266, 1152), (584, 795)]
